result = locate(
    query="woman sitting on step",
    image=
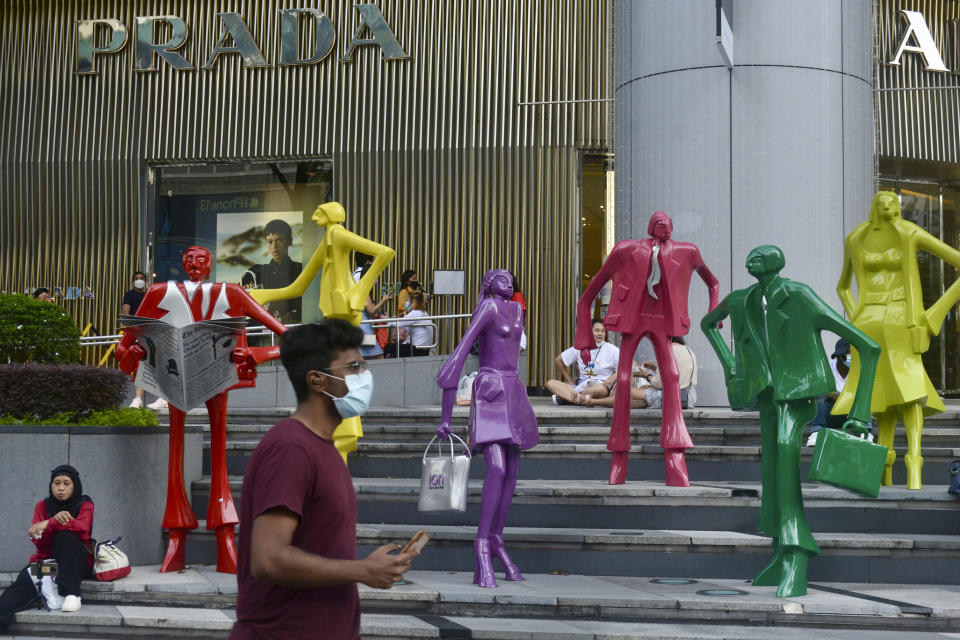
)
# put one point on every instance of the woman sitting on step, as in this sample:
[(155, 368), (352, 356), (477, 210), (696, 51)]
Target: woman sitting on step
[(61, 532), (597, 369)]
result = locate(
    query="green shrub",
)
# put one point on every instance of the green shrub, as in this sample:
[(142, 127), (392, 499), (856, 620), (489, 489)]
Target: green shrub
[(42, 391), (108, 418), (34, 331)]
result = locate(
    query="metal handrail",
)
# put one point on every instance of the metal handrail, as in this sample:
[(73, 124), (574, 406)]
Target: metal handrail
[(102, 341)]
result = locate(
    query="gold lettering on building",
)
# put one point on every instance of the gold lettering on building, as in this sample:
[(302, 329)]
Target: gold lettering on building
[(243, 43), (86, 42), (290, 37), (234, 37), (148, 50), (382, 36)]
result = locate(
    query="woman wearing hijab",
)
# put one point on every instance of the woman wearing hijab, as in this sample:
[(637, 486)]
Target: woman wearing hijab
[(60, 531)]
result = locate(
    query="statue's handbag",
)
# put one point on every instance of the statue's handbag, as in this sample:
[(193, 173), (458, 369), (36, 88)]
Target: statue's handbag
[(848, 462), (443, 483)]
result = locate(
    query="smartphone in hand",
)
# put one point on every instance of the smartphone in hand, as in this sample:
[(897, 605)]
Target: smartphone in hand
[(417, 542)]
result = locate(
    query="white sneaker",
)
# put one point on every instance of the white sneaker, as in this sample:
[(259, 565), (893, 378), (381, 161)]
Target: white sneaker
[(51, 594), (136, 404), (812, 440), (71, 603), (158, 405)]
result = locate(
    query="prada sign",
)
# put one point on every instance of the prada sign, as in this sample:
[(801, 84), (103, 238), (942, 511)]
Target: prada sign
[(235, 37), (917, 39)]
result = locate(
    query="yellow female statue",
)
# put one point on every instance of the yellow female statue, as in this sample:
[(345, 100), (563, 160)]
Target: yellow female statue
[(882, 254), (340, 296)]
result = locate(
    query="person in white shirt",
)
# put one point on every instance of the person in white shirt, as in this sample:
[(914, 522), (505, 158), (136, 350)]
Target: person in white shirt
[(597, 369), (419, 334), (647, 392)]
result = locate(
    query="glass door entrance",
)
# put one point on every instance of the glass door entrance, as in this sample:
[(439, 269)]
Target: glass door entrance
[(934, 208)]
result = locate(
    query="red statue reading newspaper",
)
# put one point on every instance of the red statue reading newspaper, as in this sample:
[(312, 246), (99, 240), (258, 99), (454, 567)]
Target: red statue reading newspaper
[(180, 304)]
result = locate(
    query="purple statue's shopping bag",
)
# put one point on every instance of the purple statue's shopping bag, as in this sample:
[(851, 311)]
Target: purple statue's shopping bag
[(443, 483)]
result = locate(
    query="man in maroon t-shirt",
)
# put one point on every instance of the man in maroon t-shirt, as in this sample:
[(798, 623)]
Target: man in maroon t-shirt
[(297, 569)]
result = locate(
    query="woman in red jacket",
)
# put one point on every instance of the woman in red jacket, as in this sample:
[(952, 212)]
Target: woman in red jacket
[(60, 531)]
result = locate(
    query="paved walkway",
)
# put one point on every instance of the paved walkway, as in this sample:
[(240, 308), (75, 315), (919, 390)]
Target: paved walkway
[(543, 606)]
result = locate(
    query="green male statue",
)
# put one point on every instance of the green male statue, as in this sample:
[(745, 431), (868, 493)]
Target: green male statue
[(781, 366)]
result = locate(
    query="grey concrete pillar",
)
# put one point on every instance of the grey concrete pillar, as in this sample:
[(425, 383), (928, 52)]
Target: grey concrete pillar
[(778, 150)]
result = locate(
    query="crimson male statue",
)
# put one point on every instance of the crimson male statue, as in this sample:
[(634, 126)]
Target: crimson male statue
[(651, 283)]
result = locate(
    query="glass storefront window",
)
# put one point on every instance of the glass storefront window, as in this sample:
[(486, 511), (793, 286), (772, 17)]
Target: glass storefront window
[(595, 170), (934, 207), (949, 199), (254, 217)]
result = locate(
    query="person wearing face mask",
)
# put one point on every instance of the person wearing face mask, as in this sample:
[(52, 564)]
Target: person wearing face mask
[(840, 365), (298, 570), (131, 302), (60, 531), (597, 370), (409, 283)]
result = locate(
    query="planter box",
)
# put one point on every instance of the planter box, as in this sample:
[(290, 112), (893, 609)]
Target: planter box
[(123, 470)]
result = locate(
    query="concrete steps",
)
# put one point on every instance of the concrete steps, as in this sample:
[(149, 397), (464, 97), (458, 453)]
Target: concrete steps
[(729, 506), (886, 566), (844, 556), (560, 461), (444, 604), (566, 424), (573, 443)]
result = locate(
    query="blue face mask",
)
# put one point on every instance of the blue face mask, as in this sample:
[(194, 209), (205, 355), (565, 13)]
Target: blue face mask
[(406, 305), (359, 392), (846, 360)]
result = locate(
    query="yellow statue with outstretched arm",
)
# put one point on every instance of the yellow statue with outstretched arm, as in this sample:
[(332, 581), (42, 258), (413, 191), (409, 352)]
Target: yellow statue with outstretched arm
[(340, 296), (882, 254)]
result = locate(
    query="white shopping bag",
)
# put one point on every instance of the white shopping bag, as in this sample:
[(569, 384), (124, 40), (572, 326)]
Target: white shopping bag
[(465, 389), (443, 484)]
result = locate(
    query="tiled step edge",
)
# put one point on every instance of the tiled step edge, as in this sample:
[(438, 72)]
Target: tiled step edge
[(647, 492)]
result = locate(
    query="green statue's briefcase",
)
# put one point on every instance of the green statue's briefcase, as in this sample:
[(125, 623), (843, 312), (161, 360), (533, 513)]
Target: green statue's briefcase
[(848, 462)]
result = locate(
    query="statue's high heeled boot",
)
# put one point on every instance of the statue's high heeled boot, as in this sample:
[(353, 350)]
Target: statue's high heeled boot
[(483, 565), (497, 549)]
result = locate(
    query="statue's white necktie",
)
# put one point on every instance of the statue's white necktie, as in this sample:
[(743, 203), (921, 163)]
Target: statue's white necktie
[(654, 278)]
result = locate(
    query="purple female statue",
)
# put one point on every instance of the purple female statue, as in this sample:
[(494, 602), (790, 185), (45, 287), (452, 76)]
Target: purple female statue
[(501, 418)]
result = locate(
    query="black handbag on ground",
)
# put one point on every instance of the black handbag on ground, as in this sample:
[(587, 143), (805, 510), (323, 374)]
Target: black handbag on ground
[(954, 487)]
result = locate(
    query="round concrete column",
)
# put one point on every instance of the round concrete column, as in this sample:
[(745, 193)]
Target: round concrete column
[(777, 150)]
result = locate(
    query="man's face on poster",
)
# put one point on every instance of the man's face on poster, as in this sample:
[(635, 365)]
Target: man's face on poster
[(278, 246)]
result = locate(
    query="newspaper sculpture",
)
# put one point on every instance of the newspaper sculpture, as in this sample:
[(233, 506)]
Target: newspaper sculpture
[(186, 365)]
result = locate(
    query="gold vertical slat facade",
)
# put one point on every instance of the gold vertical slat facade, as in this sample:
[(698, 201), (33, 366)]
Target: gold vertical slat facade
[(432, 155), (919, 124)]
